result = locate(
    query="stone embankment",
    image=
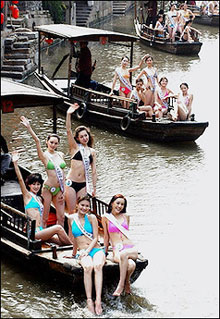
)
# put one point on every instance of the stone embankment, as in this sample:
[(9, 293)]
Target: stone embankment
[(20, 54)]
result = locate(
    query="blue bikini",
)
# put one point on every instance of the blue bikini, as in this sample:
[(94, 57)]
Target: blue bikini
[(88, 227)]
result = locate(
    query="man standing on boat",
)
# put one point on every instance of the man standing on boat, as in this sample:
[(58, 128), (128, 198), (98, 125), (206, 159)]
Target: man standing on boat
[(84, 65)]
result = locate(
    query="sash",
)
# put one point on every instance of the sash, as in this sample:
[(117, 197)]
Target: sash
[(85, 156), (76, 218), (114, 221), (123, 80), (162, 97), (39, 202), (59, 173)]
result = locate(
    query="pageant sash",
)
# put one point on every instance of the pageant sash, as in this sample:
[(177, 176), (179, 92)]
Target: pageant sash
[(123, 80), (76, 218), (114, 221), (59, 173), (85, 156)]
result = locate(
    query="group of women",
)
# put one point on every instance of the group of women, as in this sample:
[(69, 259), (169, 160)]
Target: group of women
[(152, 93), (70, 194)]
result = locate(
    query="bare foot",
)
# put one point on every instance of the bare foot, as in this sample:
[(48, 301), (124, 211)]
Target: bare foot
[(127, 288), (117, 292), (90, 305), (98, 307)]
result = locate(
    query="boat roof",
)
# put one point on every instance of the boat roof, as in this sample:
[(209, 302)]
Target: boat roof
[(16, 94), (76, 33)]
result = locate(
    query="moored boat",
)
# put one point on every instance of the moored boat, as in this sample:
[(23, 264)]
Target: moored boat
[(204, 18), (99, 108), (150, 37)]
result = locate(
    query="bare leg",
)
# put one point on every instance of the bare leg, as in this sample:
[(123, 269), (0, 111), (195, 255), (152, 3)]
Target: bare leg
[(50, 232), (123, 265), (58, 201), (47, 196), (98, 262), (87, 265), (70, 198), (131, 269)]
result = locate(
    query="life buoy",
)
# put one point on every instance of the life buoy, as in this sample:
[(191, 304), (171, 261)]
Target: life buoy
[(80, 112), (125, 122)]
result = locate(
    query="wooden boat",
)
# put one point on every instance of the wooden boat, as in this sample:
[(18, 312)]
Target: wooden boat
[(204, 19), (97, 107), (150, 37), (15, 225), (34, 253)]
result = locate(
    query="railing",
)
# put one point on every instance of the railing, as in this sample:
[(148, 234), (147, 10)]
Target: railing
[(153, 34)]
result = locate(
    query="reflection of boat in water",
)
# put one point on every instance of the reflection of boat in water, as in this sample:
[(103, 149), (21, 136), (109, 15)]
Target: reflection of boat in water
[(151, 38), (99, 108), (18, 230)]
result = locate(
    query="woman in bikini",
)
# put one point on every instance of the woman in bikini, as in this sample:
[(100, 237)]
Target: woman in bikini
[(184, 103), (83, 231), (122, 73), (150, 72), (53, 161), (82, 157), (162, 94), (31, 191), (124, 252)]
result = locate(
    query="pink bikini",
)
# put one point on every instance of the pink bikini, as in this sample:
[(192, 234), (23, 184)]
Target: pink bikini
[(113, 229)]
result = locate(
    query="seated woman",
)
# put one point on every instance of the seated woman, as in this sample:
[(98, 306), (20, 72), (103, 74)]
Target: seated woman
[(162, 94), (184, 103), (138, 94), (83, 230), (116, 224), (31, 191), (189, 34)]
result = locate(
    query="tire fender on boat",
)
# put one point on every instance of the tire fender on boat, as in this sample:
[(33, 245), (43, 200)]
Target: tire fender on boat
[(80, 112), (125, 122)]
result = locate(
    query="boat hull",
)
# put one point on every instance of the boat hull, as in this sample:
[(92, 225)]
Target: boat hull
[(99, 114), (207, 20)]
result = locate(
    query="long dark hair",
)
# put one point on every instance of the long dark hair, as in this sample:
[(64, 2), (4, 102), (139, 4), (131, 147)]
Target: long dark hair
[(84, 128), (109, 210), (33, 178)]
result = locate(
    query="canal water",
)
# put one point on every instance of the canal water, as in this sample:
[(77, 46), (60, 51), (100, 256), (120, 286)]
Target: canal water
[(172, 192)]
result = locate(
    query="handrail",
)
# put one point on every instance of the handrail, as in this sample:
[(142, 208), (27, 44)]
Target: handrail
[(13, 210)]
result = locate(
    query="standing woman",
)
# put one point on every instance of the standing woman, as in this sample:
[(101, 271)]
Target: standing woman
[(184, 103), (122, 73), (82, 157), (53, 161), (150, 72), (83, 231), (116, 224), (31, 191)]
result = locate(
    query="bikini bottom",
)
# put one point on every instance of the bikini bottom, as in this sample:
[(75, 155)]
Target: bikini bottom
[(54, 190), (75, 185), (124, 90), (121, 247)]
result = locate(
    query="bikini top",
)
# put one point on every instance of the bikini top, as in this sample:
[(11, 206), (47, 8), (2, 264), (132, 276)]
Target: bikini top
[(50, 165), (33, 204), (78, 157), (87, 226), (113, 229)]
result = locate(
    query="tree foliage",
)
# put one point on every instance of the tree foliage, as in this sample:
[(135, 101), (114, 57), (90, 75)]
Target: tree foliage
[(56, 10)]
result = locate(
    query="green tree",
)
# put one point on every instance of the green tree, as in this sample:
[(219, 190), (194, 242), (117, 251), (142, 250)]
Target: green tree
[(56, 10)]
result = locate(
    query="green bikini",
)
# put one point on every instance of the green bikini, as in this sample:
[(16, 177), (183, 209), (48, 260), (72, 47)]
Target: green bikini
[(54, 190)]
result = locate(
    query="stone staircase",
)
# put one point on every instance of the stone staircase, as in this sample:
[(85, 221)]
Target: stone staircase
[(20, 55), (119, 8), (82, 13)]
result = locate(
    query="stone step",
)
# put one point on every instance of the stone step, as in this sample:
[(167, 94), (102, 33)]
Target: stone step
[(30, 35), (16, 56), (17, 68), (13, 75), (17, 50), (16, 61)]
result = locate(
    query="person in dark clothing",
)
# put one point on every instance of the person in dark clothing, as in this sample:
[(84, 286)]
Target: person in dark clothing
[(5, 158), (84, 65), (151, 13)]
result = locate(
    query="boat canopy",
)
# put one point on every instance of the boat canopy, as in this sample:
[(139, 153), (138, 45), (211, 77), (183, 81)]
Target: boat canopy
[(76, 33), (18, 95)]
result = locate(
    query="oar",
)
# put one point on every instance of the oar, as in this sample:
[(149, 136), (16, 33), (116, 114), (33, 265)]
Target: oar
[(59, 65)]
